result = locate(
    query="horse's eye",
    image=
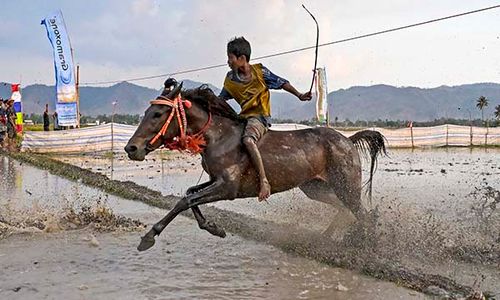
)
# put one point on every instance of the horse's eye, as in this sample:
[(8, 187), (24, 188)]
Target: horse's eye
[(157, 115)]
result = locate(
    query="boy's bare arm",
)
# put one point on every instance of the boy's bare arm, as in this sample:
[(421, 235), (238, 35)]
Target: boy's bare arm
[(302, 96)]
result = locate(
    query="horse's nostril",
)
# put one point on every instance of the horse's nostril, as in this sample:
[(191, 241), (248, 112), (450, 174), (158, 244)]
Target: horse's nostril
[(130, 148)]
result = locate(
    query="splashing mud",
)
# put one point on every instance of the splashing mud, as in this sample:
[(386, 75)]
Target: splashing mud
[(98, 217)]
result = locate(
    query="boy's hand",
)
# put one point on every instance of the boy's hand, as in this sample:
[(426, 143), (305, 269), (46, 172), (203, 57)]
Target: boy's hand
[(305, 96)]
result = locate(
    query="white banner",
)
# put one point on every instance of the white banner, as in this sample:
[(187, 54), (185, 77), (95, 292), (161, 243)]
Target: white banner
[(321, 95)]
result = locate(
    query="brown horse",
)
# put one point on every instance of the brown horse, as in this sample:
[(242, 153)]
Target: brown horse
[(320, 161)]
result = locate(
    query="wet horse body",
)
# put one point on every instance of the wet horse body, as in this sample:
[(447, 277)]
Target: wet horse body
[(323, 163)]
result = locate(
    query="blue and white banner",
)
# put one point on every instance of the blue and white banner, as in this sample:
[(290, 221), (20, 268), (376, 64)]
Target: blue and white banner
[(67, 114), (64, 69)]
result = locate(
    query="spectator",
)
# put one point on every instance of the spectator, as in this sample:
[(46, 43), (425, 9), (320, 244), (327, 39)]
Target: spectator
[(56, 121), (3, 120), (46, 121), (11, 119)]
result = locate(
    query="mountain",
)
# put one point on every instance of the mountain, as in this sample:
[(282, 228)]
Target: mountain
[(132, 99), (355, 103), (411, 103)]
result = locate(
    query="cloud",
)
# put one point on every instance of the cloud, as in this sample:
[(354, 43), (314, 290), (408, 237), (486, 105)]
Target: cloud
[(145, 7), (116, 39)]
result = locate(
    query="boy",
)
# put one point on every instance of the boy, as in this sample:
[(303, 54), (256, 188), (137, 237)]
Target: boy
[(249, 85)]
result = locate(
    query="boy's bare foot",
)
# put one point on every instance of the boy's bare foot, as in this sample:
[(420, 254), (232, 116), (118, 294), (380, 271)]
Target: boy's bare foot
[(265, 190)]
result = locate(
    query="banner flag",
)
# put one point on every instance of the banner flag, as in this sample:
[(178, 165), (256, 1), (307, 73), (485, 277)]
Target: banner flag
[(66, 113), (66, 104), (18, 107), (321, 95)]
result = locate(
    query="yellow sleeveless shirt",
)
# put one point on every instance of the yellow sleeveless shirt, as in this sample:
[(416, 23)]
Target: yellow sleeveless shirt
[(252, 96)]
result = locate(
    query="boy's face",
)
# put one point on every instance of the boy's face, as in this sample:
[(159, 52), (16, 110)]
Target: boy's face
[(235, 62)]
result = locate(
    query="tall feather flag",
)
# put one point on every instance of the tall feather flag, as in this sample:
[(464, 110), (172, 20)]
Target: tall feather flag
[(18, 107), (321, 96), (66, 104)]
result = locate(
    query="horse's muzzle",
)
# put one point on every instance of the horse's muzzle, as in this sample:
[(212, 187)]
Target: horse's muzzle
[(134, 153)]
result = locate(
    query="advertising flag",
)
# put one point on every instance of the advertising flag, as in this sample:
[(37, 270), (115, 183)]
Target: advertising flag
[(321, 95), (18, 107), (66, 104)]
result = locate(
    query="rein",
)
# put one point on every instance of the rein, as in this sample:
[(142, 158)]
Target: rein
[(194, 143)]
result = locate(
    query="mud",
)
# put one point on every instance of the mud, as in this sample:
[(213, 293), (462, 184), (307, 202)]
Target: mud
[(98, 217), (383, 253), (186, 263)]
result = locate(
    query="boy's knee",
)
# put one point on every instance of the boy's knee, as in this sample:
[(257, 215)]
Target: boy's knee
[(249, 141)]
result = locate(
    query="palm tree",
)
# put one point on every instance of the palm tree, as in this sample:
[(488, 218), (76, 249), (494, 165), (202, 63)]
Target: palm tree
[(482, 102), (497, 113)]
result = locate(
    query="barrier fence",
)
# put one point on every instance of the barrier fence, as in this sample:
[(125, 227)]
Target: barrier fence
[(107, 137)]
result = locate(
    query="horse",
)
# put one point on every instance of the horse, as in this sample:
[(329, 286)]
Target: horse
[(320, 161)]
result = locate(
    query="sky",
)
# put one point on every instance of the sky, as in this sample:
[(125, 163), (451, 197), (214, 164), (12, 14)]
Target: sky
[(122, 39)]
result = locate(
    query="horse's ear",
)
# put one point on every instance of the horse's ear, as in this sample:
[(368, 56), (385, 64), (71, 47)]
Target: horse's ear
[(170, 83), (173, 93)]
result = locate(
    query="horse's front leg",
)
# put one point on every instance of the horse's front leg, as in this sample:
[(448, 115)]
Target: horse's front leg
[(202, 222), (207, 225), (218, 190), (199, 187)]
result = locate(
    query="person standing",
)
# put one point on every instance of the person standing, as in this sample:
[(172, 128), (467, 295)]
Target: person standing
[(3, 120), (56, 121), (46, 120), (11, 126)]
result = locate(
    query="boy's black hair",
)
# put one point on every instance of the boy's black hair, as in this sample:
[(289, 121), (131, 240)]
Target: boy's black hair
[(239, 46)]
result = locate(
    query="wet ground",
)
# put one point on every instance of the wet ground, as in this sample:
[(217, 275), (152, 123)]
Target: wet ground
[(87, 263), (437, 208)]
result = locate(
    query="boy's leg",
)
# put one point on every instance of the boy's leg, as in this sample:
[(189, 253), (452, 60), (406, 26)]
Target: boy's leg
[(254, 131)]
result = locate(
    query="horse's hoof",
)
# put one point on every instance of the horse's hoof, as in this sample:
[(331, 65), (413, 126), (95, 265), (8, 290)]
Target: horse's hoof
[(146, 243), (215, 230)]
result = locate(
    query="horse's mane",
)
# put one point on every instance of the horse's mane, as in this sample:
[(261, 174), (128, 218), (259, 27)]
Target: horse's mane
[(205, 97)]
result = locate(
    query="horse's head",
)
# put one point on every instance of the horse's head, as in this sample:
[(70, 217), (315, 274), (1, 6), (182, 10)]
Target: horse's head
[(141, 143)]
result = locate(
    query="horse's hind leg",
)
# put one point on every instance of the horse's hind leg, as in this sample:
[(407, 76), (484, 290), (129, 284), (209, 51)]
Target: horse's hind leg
[(321, 191), (344, 177)]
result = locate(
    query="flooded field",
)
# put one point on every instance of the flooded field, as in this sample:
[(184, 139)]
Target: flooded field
[(42, 258), (436, 213), (437, 209)]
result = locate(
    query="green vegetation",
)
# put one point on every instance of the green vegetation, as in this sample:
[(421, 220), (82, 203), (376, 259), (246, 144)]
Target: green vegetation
[(122, 119), (135, 119), (481, 103), (390, 123)]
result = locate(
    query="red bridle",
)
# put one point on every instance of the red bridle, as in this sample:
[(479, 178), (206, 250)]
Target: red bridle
[(194, 143)]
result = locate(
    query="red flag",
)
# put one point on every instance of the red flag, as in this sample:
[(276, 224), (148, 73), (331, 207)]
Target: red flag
[(15, 87)]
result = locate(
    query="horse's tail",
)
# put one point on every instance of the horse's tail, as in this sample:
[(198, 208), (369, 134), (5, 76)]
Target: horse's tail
[(369, 142)]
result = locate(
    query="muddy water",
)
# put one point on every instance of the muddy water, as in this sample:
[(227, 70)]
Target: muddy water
[(186, 263), (434, 212)]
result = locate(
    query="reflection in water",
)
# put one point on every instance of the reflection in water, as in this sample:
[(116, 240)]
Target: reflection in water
[(10, 176)]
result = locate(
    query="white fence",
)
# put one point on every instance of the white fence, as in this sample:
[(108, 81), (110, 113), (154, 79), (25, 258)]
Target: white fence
[(84, 140), (439, 136), (99, 138)]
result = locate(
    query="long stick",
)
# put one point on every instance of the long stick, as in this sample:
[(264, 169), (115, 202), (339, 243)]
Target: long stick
[(316, 51)]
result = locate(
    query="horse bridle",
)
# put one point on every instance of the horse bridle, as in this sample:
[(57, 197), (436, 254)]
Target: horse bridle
[(183, 141)]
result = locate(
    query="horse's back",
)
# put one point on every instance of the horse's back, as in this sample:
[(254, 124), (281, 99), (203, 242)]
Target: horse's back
[(302, 137)]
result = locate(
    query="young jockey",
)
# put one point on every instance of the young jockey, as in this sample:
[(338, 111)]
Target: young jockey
[(249, 85)]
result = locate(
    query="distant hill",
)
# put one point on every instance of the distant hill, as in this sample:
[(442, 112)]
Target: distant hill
[(132, 99), (355, 103)]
